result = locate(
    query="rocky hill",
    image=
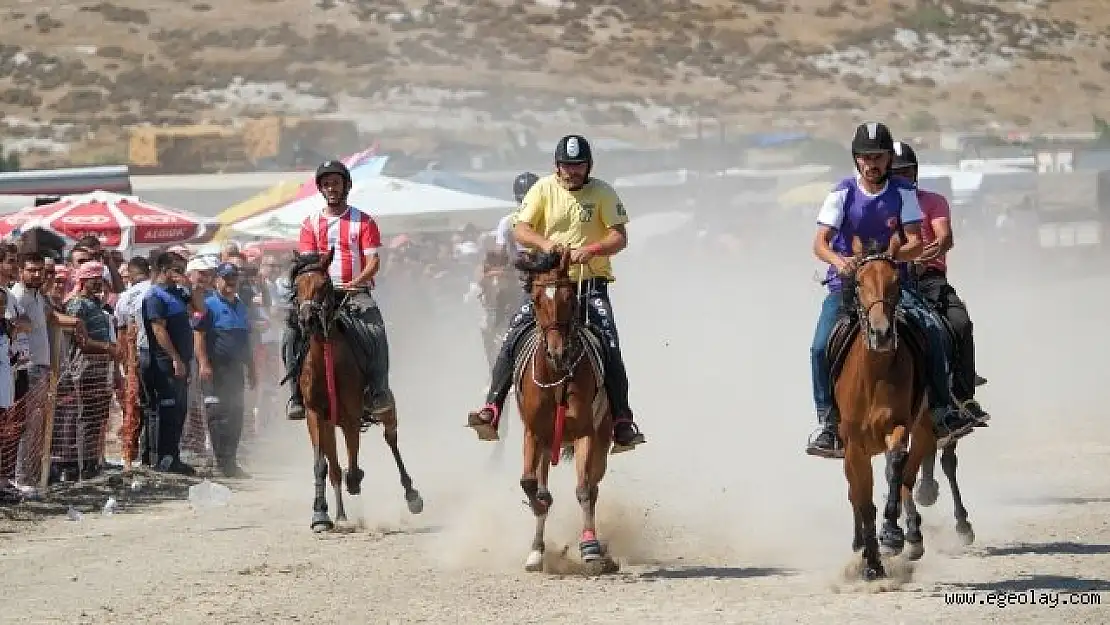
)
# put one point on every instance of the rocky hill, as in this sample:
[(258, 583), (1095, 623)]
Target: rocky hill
[(72, 73)]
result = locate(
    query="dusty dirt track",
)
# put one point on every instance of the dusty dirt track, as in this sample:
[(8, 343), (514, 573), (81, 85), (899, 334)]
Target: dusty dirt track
[(721, 518)]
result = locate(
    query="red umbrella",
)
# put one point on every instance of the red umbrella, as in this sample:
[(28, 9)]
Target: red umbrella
[(119, 221)]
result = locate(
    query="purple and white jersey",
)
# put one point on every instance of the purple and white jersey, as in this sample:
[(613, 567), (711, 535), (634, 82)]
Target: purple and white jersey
[(851, 211)]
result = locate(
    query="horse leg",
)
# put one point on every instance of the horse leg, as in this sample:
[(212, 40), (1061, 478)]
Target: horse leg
[(586, 491), (892, 539), (412, 496), (335, 473), (320, 520), (354, 473), (922, 448), (927, 488), (861, 484), (948, 463), (540, 502)]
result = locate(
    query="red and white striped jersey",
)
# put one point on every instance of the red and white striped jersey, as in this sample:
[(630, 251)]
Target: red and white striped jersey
[(353, 234)]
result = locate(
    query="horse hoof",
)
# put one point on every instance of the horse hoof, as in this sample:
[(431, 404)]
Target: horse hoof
[(322, 525), (534, 563), (926, 493), (590, 550), (872, 573), (892, 541), (415, 502), (915, 551), (354, 481), (966, 534)]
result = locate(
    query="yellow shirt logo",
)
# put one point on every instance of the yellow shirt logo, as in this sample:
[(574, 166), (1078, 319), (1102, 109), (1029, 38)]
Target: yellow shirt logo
[(574, 218)]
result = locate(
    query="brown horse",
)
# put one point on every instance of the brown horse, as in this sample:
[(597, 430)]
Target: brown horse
[(334, 401), (562, 401), (881, 394), (500, 295)]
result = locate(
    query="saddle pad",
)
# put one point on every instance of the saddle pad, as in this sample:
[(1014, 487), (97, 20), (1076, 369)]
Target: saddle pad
[(526, 351)]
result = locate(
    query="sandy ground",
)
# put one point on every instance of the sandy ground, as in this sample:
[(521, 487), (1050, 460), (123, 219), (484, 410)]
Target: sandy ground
[(721, 518)]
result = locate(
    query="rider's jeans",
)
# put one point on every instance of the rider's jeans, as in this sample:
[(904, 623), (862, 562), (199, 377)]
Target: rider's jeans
[(819, 364), (918, 310)]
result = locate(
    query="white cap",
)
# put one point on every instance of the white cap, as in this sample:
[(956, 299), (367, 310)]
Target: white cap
[(201, 263)]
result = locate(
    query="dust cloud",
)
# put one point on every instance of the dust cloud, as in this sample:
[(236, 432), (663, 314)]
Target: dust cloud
[(716, 344)]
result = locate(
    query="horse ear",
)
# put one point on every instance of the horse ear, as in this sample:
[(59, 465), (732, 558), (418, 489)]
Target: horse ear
[(857, 246), (564, 261), (895, 245)]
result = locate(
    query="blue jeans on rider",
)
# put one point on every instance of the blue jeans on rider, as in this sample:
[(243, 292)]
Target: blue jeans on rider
[(919, 311), (819, 364)]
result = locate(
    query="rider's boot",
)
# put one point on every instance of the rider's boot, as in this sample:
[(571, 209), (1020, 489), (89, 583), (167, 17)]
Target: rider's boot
[(970, 408), (626, 434), (980, 380), (825, 441), (485, 420), (289, 341), (950, 424)]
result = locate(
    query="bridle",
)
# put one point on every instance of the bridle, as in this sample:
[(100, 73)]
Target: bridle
[(571, 329), (864, 311), (318, 315)]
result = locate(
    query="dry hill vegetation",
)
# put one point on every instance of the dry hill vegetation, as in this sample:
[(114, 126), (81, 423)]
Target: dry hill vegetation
[(76, 71)]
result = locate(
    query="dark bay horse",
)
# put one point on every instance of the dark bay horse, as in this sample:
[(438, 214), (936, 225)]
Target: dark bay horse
[(562, 402), (881, 394), (500, 295), (333, 400)]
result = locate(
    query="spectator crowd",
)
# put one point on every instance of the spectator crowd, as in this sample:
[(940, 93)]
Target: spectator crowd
[(167, 359)]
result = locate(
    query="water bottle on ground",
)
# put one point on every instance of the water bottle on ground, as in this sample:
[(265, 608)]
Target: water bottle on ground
[(209, 494)]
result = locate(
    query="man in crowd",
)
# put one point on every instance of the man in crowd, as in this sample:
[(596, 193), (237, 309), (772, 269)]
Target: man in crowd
[(226, 364), (40, 315), (166, 320)]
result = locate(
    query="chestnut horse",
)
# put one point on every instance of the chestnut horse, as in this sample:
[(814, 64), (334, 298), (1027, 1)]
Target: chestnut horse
[(881, 393), (334, 401), (561, 399), (500, 295)]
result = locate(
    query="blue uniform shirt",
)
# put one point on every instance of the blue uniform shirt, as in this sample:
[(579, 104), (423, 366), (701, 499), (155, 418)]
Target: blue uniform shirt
[(226, 328), (853, 212), (168, 304)]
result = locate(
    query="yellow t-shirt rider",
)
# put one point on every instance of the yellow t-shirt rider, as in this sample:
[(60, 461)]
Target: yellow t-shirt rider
[(571, 209)]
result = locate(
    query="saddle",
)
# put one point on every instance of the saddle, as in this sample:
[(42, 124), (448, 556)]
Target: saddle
[(362, 339), (848, 326), (529, 341)]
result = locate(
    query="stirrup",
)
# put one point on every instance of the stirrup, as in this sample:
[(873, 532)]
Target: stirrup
[(290, 415), (837, 450)]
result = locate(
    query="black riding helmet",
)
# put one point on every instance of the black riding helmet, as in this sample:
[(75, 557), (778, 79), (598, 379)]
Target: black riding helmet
[(522, 184), (872, 138), (574, 149), (904, 156), (333, 166)]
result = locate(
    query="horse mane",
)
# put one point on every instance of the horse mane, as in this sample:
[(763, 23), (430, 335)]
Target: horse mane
[(301, 263), (538, 262)]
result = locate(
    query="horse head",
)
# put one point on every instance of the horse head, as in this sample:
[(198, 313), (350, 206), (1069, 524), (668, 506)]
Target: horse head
[(555, 301), (877, 292), (313, 291)]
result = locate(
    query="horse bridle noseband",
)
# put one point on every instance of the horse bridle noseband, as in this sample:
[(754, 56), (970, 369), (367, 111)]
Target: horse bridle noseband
[(864, 311)]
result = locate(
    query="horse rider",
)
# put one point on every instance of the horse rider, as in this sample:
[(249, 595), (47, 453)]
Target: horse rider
[(571, 209), (932, 281), (355, 237), (874, 207)]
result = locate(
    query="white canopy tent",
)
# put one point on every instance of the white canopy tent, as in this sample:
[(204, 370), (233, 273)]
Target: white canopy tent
[(398, 205)]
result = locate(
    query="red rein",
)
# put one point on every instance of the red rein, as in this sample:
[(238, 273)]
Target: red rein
[(329, 375), (557, 438)]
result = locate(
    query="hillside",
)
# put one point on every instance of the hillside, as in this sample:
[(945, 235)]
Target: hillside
[(72, 74)]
